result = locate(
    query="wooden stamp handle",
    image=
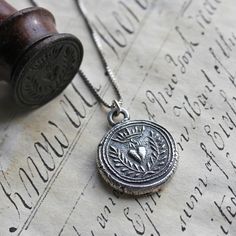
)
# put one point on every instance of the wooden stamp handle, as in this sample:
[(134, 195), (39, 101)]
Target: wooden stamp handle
[(6, 10)]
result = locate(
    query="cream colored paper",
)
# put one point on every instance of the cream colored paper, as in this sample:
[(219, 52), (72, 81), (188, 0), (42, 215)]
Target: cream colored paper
[(175, 61)]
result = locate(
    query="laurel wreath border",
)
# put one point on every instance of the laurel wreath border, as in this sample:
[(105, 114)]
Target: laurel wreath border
[(132, 169)]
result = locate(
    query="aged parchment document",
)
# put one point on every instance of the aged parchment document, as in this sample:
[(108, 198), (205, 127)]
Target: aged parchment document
[(175, 61)]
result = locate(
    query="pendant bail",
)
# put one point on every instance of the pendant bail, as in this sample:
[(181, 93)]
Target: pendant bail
[(115, 111), (116, 104)]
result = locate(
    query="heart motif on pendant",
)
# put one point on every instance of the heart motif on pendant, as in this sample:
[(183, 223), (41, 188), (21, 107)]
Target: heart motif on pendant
[(138, 154)]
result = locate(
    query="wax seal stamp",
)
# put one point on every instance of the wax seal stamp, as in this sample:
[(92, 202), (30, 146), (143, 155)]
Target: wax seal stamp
[(137, 157), (34, 58)]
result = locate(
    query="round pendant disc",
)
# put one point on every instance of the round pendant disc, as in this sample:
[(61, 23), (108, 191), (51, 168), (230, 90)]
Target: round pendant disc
[(137, 157)]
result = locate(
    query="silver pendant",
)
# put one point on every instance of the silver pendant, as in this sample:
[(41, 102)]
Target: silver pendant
[(136, 157)]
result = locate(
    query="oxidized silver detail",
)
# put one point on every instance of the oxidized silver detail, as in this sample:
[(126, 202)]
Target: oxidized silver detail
[(115, 112), (137, 157)]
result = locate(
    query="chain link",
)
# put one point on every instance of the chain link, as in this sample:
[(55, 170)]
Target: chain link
[(108, 70)]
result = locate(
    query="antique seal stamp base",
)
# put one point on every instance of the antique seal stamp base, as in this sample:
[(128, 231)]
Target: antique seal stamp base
[(35, 59), (46, 69), (137, 157)]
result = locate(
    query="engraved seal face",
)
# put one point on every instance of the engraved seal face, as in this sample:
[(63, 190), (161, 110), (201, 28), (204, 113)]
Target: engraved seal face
[(46, 69), (137, 157)]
